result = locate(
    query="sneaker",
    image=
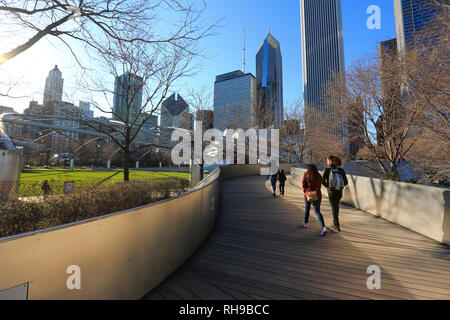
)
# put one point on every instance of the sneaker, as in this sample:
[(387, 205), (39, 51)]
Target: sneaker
[(323, 232), (335, 229), (304, 226)]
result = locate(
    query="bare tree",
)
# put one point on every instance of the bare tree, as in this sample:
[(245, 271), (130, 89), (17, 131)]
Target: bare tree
[(426, 82), (404, 100), (292, 134), (144, 73), (97, 23), (323, 136), (200, 98), (370, 95)]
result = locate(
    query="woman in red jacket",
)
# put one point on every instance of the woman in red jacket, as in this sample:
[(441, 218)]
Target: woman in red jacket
[(312, 183)]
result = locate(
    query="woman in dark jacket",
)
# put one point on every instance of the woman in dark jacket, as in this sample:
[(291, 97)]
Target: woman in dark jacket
[(312, 183), (282, 179), (334, 179)]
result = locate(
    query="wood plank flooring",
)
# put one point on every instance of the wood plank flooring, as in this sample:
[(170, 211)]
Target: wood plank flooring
[(257, 251)]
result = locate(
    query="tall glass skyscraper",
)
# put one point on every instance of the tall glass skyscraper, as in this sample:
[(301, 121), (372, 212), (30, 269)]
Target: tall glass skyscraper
[(269, 83), (322, 51), (127, 95), (410, 17)]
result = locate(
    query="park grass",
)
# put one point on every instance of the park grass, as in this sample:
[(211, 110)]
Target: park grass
[(31, 179), (87, 175)]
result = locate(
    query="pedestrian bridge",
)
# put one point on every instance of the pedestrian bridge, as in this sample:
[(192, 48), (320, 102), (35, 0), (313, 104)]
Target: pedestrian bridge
[(257, 251), (228, 238)]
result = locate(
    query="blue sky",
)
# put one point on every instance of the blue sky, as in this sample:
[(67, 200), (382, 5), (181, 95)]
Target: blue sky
[(223, 52)]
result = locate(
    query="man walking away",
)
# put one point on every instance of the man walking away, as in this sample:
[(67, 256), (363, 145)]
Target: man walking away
[(282, 179), (334, 179)]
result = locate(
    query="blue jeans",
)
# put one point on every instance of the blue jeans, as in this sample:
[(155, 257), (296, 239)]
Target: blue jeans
[(316, 205), (274, 186)]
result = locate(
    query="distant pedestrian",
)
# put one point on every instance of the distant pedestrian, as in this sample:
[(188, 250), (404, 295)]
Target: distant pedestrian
[(46, 189), (335, 179), (282, 180), (312, 183), (273, 183)]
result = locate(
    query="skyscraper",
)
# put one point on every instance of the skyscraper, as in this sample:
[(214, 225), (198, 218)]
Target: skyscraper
[(53, 86), (390, 82), (391, 91), (127, 96), (66, 110), (175, 113), (410, 17), (234, 100), (85, 108), (34, 109), (322, 51), (269, 83), (149, 130)]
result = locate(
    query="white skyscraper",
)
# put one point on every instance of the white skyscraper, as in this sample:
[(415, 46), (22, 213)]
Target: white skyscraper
[(322, 50), (53, 86)]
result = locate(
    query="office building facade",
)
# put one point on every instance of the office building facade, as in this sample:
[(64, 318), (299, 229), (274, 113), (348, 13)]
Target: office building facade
[(411, 16), (234, 100), (85, 109), (322, 56), (269, 81), (53, 86), (175, 113), (127, 97), (13, 130), (149, 132), (68, 113), (390, 81), (33, 109)]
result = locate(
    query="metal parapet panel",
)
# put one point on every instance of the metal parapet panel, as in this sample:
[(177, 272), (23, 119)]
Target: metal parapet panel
[(10, 168)]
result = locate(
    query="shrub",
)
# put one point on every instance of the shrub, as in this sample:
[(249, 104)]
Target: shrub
[(22, 216)]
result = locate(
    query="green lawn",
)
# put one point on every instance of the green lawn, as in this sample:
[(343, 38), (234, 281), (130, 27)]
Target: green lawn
[(31, 179), (86, 175)]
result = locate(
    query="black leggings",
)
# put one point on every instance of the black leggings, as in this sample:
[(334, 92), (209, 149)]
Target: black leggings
[(282, 188), (335, 197)]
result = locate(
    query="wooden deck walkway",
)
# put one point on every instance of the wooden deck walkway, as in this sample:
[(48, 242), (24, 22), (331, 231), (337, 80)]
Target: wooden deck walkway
[(257, 251)]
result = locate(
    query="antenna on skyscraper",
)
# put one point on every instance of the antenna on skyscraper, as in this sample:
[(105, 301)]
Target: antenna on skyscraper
[(244, 52)]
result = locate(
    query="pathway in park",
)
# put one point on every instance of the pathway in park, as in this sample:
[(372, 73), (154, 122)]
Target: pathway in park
[(257, 251)]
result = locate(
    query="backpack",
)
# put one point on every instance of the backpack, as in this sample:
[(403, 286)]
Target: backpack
[(336, 180)]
